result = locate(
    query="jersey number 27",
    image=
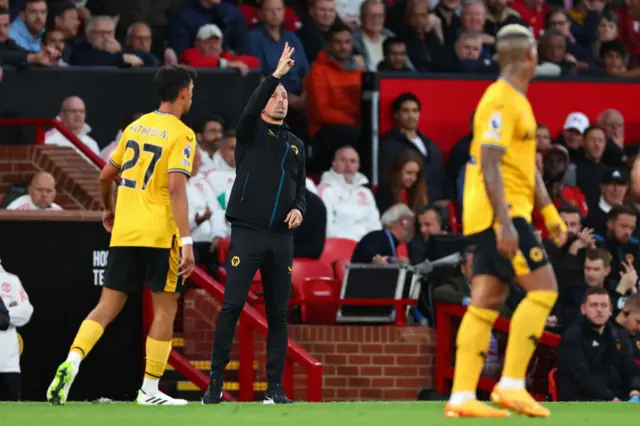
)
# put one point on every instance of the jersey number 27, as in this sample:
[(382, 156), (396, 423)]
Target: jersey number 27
[(156, 152)]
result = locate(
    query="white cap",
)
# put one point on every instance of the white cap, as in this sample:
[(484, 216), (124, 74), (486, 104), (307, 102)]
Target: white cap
[(208, 31), (577, 121)]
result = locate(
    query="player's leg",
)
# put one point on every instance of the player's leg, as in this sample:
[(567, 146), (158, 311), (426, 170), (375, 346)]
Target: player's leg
[(276, 279), (535, 275), (488, 294), (123, 274), (162, 278), (245, 255)]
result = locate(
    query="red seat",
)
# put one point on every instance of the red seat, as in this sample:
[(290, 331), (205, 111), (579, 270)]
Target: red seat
[(315, 290), (553, 390), (337, 248), (312, 280)]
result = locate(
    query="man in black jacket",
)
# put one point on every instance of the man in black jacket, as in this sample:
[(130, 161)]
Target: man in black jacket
[(268, 201), (593, 363)]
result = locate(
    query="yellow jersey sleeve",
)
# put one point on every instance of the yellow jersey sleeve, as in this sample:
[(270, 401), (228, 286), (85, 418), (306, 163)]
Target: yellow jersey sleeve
[(117, 157), (182, 153), (495, 126)]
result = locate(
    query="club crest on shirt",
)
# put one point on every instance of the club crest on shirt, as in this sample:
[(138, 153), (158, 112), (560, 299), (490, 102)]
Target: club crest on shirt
[(294, 149), (6, 287), (235, 261), (187, 152)]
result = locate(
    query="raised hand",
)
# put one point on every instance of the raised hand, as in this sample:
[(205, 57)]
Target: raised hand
[(285, 63)]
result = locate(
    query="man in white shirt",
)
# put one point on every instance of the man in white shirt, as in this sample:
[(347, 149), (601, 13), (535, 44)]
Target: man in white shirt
[(209, 131), (42, 193), (351, 208), (206, 218), (223, 169), (20, 310), (73, 115)]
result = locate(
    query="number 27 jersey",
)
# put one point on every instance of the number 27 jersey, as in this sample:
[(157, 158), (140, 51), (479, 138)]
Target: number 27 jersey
[(150, 148)]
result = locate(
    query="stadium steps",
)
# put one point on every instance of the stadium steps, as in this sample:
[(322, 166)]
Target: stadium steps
[(179, 387)]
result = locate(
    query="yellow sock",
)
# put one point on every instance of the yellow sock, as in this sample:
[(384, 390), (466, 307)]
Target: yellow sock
[(157, 355), (527, 325), (474, 337), (87, 337)]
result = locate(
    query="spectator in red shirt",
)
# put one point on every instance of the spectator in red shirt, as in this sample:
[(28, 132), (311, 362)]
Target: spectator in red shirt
[(532, 13), (249, 9), (208, 53)]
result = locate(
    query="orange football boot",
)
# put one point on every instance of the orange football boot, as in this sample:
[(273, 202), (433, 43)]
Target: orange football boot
[(474, 408), (518, 400)]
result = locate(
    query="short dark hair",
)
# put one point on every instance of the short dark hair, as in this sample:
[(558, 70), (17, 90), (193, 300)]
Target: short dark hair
[(202, 121), (620, 210), (592, 128), (599, 254), (387, 43), (34, 1), (338, 27), (555, 10), (591, 291), (231, 133), (3, 10), (632, 304), (404, 97), (171, 79), (441, 213), (552, 33), (568, 208), (612, 46)]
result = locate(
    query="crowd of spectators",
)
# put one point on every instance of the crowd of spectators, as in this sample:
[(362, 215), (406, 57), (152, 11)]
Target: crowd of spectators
[(590, 169)]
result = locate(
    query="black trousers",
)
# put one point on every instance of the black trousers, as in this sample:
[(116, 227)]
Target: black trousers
[(250, 250), (10, 384)]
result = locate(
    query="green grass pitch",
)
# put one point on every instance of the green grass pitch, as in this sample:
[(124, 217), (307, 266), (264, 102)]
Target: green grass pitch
[(300, 414)]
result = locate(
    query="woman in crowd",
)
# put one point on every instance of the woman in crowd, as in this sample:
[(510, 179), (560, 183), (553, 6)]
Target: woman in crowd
[(607, 30), (404, 183)]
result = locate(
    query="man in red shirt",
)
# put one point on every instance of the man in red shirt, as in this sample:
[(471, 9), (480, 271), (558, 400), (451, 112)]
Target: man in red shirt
[(532, 14)]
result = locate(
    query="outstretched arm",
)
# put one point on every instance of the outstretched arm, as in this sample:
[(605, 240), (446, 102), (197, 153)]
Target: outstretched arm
[(260, 97)]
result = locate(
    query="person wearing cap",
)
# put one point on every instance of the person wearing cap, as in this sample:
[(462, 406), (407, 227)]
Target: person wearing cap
[(208, 52), (613, 186), (590, 168), (572, 133)]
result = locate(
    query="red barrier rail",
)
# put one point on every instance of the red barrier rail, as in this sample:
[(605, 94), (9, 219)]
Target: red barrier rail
[(250, 319), (445, 338)]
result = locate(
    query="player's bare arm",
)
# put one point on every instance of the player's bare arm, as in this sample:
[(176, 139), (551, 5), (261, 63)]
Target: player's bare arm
[(493, 183), (105, 185), (180, 209), (552, 219)]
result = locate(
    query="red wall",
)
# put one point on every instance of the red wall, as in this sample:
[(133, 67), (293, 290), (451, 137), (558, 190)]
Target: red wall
[(447, 104)]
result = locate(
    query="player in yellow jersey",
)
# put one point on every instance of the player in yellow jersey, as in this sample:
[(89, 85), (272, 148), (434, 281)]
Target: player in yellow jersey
[(149, 229), (501, 188)]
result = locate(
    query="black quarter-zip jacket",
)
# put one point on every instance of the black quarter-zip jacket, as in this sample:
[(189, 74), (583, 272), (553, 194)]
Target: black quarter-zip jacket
[(270, 168)]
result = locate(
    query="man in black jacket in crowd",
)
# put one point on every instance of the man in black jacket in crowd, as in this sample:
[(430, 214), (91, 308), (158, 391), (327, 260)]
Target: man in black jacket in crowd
[(268, 201), (593, 363)]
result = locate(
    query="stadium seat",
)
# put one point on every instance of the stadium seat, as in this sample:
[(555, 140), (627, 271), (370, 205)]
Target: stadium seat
[(315, 290), (337, 248), (553, 391), (313, 279), (374, 189)]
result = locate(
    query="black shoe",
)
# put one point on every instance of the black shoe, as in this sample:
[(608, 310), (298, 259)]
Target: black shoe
[(214, 392), (275, 395)]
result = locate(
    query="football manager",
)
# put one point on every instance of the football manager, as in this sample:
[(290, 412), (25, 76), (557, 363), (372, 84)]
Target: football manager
[(267, 202)]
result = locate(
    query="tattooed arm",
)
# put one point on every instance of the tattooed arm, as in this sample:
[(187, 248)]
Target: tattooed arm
[(490, 164), (542, 198)]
